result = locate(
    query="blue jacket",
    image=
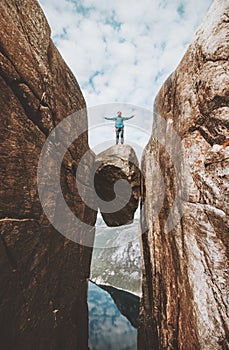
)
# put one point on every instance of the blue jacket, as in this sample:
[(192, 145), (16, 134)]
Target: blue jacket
[(119, 120)]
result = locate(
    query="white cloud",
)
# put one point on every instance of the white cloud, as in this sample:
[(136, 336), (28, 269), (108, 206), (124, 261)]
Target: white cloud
[(130, 42), (122, 51)]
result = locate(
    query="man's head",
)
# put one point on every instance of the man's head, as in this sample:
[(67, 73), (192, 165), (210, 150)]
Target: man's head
[(119, 114)]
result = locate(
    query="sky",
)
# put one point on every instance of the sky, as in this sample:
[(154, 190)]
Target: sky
[(122, 51)]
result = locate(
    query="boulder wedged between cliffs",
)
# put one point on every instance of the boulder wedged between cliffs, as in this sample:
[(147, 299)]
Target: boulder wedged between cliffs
[(117, 163)]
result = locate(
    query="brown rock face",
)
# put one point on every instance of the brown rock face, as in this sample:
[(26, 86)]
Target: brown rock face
[(185, 244), (43, 288), (120, 203)]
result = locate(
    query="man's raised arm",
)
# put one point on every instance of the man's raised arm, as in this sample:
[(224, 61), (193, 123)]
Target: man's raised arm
[(110, 118), (127, 118)]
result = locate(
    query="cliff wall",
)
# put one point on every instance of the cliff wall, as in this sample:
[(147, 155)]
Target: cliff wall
[(184, 222), (43, 288)]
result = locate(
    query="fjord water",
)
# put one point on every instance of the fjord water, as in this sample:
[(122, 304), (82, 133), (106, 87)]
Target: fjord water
[(113, 305), (108, 328)]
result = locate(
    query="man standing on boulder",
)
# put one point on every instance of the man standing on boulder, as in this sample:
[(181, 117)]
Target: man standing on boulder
[(119, 125)]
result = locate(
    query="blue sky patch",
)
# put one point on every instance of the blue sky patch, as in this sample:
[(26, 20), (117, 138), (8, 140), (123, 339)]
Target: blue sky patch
[(91, 82), (80, 8), (113, 22), (181, 10)]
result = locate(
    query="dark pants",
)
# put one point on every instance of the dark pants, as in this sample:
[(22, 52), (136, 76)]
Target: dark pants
[(121, 132)]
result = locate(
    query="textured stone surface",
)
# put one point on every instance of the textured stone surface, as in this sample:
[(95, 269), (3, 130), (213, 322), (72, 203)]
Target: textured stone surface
[(43, 288), (185, 282), (118, 162)]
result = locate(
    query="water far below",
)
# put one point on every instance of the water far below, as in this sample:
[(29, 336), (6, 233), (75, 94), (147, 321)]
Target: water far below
[(108, 327), (115, 288)]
